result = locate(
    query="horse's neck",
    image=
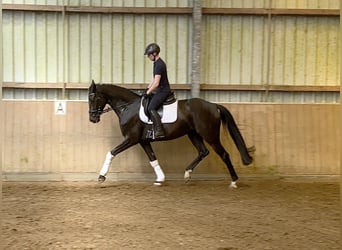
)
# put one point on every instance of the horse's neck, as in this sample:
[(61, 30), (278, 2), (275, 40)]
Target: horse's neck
[(118, 97), (116, 93)]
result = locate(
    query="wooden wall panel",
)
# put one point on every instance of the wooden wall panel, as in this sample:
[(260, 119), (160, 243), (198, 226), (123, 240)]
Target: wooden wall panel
[(290, 139)]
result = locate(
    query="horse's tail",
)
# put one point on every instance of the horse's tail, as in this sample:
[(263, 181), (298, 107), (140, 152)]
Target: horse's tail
[(234, 132)]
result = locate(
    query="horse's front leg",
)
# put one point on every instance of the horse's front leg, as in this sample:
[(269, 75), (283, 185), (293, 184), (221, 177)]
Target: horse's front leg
[(109, 157), (154, 162)]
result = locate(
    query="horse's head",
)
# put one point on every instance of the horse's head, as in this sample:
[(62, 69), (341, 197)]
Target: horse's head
[(97, 102)]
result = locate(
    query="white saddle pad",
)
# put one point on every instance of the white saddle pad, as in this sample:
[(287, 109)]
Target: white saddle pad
[(169, 113)]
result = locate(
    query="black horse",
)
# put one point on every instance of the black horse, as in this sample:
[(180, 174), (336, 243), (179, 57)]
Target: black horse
[(197, 118)]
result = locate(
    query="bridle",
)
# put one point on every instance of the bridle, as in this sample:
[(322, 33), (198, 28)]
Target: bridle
[(98, 111)]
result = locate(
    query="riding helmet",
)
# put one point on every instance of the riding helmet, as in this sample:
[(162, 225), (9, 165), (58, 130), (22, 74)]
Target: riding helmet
[(152, 48)]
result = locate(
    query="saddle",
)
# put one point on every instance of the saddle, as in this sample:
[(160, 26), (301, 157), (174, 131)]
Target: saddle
[(167, 111)]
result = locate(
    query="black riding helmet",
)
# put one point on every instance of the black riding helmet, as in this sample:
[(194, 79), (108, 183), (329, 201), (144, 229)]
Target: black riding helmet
[(152, 48)]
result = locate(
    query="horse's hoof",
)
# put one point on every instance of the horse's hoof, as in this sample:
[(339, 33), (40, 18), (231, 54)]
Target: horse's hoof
[(188, 179), (157, 183), (101, 178)]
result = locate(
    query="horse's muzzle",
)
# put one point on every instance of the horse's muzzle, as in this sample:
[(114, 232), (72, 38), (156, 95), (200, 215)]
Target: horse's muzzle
[(94, 118), (94, 115)]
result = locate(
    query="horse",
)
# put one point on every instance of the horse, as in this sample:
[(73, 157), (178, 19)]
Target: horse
[(197, 118)]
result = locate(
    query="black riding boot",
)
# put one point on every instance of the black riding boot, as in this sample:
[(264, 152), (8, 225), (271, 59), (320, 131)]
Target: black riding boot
[(158, 128)]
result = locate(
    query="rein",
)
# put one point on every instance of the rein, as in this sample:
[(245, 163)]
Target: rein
[(99, 111), (106, 110)]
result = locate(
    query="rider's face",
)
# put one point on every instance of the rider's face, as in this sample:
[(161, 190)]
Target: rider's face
[(152, 57)]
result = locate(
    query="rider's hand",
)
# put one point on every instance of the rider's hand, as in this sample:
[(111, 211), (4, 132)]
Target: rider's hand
[(145, 93)]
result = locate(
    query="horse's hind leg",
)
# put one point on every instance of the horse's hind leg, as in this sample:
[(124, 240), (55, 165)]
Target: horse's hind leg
[(197, 141), (154, 162), (217, 146)]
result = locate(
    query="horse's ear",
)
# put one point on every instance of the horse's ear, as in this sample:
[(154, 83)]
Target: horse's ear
[(92, 88)]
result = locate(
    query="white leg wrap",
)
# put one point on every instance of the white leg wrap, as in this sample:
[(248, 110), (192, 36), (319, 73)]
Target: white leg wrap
[(233, 184), (106, 164), (187, 174), (159, 172)]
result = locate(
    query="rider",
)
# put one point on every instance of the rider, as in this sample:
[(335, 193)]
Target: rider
[(160, 85)]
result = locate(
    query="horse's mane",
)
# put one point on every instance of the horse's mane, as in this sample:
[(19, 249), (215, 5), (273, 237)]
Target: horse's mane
[(118, 92)]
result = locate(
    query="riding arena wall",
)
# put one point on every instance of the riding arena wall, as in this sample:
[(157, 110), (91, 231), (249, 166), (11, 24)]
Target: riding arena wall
[(273, 64), (290, 140)]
